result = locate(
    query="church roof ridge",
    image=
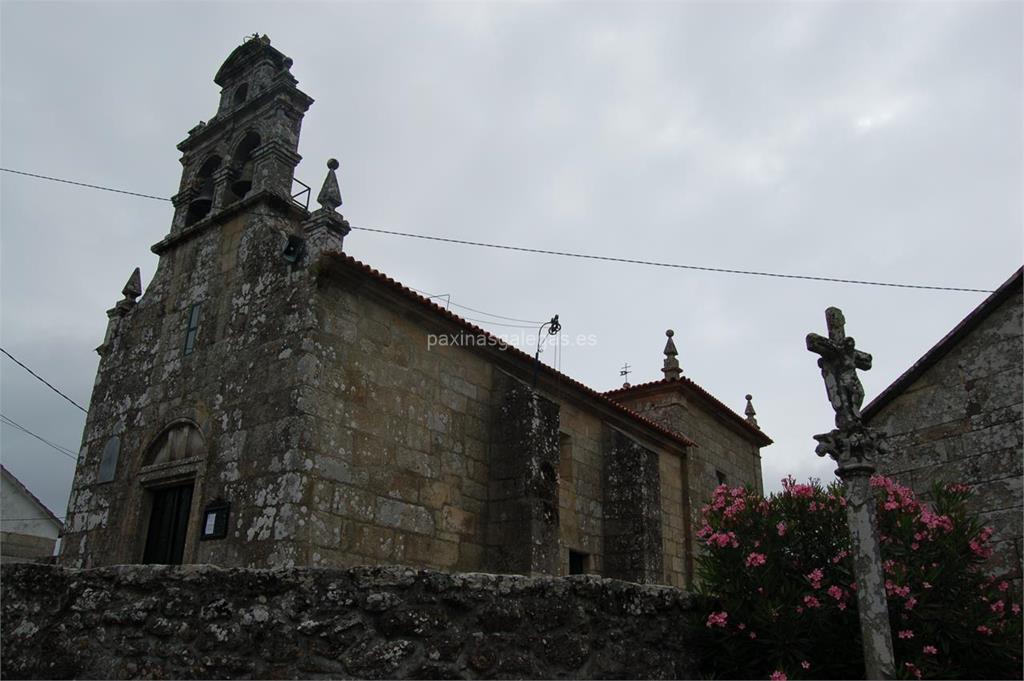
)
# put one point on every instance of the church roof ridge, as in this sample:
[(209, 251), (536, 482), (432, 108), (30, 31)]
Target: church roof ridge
[(945, 344), (684, 381), (513, 351)]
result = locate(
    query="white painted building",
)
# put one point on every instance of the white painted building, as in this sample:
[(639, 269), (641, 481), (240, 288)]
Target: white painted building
[(28, 530)]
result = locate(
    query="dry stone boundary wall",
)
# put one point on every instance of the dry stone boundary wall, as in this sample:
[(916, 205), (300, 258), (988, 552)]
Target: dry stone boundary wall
[(370, 622)]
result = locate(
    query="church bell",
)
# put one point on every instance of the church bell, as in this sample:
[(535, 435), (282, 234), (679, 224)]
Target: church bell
[(243, 183), (203, 200), (200, 205)]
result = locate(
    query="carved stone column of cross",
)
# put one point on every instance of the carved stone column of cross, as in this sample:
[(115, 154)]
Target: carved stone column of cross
[(854, 447)]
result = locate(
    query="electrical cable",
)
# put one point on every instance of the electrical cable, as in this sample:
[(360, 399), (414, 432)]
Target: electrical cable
[(473, 309), (48, 384), (568, 254), (653, 263), (63, 450), (83, 184)]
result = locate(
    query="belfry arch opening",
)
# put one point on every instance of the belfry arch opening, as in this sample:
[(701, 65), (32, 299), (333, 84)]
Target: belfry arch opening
[(244, 165), (201, 204), (241, 94)]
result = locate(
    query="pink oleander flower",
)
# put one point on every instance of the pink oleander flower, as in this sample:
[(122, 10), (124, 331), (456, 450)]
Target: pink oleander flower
[(753, 635), (839, 557), (756, 560), (998, 606), (911, 602), (723, 539), (982, 629), (799, 609), (735, 508), (792, 488), (835, 592), (841, 605), (893, 588), (781, 529), (741, 626), (814, 577), (812, 602), (912, 669), (1015, 609), (805, 664), (930, 650), (779, 676), (934, 521), (1004, 585), (717, 619), (906, 633), (978, 543)]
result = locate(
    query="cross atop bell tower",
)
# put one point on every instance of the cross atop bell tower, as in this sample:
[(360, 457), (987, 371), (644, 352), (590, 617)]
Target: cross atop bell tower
[(250, 145)]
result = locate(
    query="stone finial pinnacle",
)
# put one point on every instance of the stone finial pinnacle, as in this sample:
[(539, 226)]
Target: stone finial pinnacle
[(750, 413), (133, 289), (330, 194), (671, 366)]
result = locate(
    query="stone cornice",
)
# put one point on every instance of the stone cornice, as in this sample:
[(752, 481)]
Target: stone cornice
[(289, 208)]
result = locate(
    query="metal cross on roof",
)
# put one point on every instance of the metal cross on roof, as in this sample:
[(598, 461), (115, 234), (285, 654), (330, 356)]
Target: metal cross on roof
[(625, 372)]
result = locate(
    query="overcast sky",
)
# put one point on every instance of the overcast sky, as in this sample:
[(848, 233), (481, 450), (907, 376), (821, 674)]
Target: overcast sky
[(876, 141)]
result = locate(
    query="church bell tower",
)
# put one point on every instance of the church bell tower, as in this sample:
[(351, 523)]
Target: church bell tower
[(250, 145), (195, 424)]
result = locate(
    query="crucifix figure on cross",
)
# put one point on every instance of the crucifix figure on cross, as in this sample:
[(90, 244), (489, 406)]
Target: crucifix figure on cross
[(850, 444), (839, 361)]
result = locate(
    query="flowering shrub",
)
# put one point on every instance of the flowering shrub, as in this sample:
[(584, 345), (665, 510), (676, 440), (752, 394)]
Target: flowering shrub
[(779, 596)]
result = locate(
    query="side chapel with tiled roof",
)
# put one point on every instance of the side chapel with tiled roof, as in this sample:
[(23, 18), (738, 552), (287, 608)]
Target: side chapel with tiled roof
[(269, 400)]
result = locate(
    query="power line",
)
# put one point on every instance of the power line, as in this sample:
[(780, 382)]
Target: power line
[(488, 321), (530, 322), (48, 384), (63, 450), (473, 309), (83, 184), (585, 256), (652, 263)]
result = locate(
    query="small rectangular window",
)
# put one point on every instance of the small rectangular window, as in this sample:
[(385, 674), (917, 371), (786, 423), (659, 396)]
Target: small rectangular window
[(578, 562), (722, 480), (192, 329)]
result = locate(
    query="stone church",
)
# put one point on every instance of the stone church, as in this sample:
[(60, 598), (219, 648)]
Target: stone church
[(269, 401)]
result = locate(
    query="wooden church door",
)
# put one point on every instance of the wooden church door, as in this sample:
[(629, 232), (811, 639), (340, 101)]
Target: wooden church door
[(168, 525)]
